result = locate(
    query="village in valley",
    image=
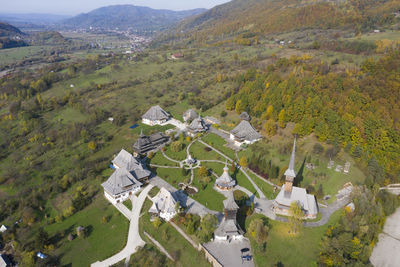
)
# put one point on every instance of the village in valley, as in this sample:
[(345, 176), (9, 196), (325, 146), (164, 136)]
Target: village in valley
[(137, 178)]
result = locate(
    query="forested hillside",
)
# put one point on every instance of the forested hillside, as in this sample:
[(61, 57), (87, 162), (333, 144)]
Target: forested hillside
[(359, 111), (128, 17), (272, 16)]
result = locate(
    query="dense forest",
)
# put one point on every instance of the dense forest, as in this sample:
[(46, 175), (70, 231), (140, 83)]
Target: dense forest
[(358, 111), (241, 16)]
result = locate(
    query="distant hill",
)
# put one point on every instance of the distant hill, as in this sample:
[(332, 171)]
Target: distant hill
[(274, 16), (129, 17), (10, 36), (9, 30), (21, 20)]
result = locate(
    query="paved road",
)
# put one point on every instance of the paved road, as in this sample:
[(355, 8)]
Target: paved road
[(386, 252), (180, 125), (134, 239)]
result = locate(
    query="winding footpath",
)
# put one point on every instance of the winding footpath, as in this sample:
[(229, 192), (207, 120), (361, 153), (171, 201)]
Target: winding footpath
[(134, 240)]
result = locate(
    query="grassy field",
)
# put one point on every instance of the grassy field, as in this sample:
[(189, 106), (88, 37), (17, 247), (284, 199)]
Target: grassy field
[(299, 250), (104, 239), (171, 240), (219, 143)]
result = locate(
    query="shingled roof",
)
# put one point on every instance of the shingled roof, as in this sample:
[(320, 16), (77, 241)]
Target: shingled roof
[(230, 203), (164, 201), (156, 113), (225, 180), (245, 116), (125, 160), (189, 115), (245, 131), (119, 181), (198, 125)]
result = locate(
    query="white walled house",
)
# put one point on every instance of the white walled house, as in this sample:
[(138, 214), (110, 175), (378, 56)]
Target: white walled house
[(120, 186), (164, 204), (155, 116), (244, 133)]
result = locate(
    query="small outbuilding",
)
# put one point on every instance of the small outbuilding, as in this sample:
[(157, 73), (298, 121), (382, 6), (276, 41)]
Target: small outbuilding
[(225, 181), (244, 116), (197, 126), (190, 115), (3, 228), (164, 204)]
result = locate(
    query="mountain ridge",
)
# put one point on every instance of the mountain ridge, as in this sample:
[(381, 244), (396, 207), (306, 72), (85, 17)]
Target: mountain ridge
[(129, 16)]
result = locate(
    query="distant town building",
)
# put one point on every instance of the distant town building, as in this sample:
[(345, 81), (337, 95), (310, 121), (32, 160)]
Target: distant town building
[(190, 115), (290, 193), (197, 126), (225, 181), (228, 228), (244, 133), (146, 144), (244, 116), (164, 204), (125, 160), (155, 116), (120, 186), (4, 261)]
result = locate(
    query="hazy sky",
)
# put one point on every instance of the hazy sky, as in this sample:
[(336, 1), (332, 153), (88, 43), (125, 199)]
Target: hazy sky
[(72, 7)]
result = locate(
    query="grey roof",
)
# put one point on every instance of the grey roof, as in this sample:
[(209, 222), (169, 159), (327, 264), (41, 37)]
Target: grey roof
[(189, 115), (156, 113), (125, 160), (299, 195), (198, 125), (4, 261), (245, 131), (164, 201), (290, 171), (212, 120), (230, 203), (119, 181), (245, 116), (225, 180), (228, 227)]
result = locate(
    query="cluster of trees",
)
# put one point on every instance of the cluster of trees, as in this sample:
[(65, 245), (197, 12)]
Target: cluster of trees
[(358, 111), (351, 240), (261, 163), (202, 228)]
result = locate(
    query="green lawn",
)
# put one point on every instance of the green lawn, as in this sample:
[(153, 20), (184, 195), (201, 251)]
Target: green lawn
[(219, 143), (299, 250), (159, 159), (207, 195), (198, 151), (128, 204), (104, 240), (266, 188), (180, 155), (171, 240)]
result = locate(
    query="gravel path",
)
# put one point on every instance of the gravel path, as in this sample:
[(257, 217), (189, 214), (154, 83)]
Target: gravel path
[(134, 239)]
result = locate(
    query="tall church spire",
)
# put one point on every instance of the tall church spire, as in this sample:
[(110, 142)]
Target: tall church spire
[(290, 173)]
